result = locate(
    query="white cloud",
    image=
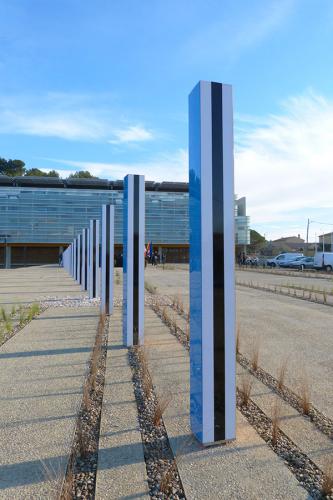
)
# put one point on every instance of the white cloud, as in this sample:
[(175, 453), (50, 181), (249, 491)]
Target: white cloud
[(132, 134), (231, 33), (285, 166), (163, 167), (73, 126), (68, 116)]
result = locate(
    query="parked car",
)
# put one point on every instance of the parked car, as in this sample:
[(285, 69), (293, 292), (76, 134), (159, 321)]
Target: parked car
[(251, 261), (283, 259), (288, 262), (323, 260), (302, 263)]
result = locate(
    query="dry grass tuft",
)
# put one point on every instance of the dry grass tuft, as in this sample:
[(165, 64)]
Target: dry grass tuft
[(238, 341), (142, 356), (167, 476), (245, 389), (97, 352), (147, 384), (67, 490), (166, 480), (327, 485), (281, 375), (165, 315), (255, 355), (276, 417), (174, 324), (150, 288), (54, 474), (86, 394), (187, 332), (82, 440), (163, 402), (305, 395), (180, 305)]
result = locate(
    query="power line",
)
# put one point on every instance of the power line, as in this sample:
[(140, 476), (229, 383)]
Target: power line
[(322, 223)]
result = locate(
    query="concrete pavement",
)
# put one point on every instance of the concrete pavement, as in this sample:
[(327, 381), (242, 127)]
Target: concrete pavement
[(121, 469), (244, 469)]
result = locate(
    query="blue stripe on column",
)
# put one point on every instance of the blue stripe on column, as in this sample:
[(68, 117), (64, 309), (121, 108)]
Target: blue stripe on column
[(196, 395)]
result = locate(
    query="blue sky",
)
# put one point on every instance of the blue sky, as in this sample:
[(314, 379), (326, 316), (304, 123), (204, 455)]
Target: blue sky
[(103, 86)]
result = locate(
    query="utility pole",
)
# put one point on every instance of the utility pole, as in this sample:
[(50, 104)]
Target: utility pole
[(307, 238)]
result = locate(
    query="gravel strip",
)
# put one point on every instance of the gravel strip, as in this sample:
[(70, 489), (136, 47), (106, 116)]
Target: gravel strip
[(321, 422), (163, 478), (264, 288), (174, 328), (81, 473), (302, 274), (306, 472), (85, 301)]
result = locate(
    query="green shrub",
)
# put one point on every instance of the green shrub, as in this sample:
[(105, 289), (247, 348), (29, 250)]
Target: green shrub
[(9, 326), (22, 317), (3, 314)]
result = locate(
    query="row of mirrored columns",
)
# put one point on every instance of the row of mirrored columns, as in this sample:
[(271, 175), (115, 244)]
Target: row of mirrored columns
[(89, 259), (212, 289)]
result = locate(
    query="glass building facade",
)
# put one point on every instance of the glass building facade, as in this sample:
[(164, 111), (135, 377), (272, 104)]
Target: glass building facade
[(54, 214), (35, 215)]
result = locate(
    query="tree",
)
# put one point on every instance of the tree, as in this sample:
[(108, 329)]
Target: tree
[(12, 168), (256, 237), (82, 174), (35, 172), (257, 241), (39, 173), (53, 173)]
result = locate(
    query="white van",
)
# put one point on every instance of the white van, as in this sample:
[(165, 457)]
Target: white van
[(283, 259), (323, 260)]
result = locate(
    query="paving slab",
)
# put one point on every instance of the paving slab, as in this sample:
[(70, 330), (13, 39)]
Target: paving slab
[(170, 282), (244, 469), (294, 330), (121, 471), (317, 446), (287, 328), (42, 371), (31, 284)]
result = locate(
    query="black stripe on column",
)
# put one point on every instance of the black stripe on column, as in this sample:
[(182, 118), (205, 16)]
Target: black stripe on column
[(94, 259), (86, 259), (80, 266), (107, 260), (218, 263), (136, 260)]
